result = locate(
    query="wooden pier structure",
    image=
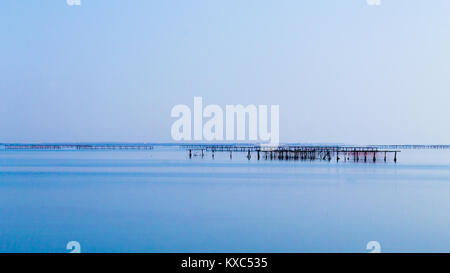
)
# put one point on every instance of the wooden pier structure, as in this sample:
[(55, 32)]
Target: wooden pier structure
[(260, 152), (299, 152)]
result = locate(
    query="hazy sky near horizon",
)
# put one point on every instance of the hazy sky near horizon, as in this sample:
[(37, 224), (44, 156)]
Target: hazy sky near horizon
[(110, 70)]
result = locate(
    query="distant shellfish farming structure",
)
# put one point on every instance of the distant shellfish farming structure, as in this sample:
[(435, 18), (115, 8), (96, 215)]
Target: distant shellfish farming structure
[(68, 147), (297, 152)]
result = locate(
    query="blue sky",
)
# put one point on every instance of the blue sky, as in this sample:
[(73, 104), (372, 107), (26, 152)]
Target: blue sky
[(341, 71)]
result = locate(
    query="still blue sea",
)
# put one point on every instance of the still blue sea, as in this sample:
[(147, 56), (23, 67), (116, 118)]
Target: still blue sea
[(162, 201)]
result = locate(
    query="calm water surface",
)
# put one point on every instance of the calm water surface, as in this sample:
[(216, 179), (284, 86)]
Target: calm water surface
[(162, 201)]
